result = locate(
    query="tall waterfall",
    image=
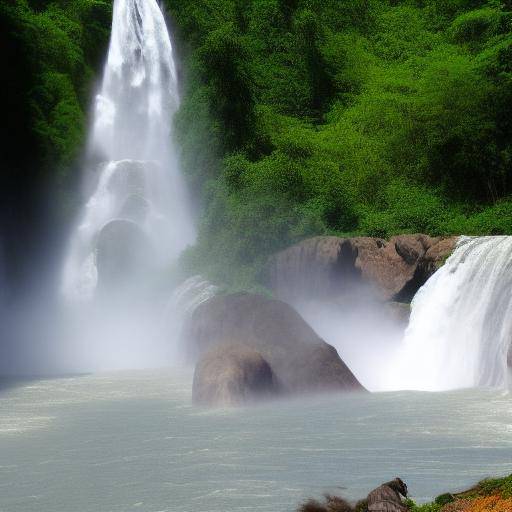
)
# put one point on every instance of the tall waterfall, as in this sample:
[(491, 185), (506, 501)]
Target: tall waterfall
[(461, 323), (137, 211)]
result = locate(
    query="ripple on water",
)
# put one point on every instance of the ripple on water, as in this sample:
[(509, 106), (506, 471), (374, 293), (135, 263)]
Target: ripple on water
[(134, 441)]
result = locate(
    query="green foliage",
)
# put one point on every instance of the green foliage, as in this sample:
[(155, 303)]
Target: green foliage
[(59, 43), (429, 507), (476, 26), (298, 117), (502, 486), (444, 499), (311, 117)]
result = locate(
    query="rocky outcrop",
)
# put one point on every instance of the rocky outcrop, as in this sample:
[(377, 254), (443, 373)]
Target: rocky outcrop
[(232, 374), (329, 267), (300, 360)]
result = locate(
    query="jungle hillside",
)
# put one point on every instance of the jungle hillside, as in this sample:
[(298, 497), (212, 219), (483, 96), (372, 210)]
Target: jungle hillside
[(298, 118)]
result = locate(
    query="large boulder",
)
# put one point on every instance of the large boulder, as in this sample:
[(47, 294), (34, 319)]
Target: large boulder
[(330, 267), (232, 374), (300, 360), (122, 253)]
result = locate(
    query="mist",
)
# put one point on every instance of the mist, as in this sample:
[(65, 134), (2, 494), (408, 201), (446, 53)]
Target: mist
[(366, 332), (106, 305)]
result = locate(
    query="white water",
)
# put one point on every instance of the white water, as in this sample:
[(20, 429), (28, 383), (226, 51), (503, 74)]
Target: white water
[(132, 133), (461, 322)]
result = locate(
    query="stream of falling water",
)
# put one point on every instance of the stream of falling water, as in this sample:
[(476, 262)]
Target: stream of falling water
[(136, 219), (137, 216)]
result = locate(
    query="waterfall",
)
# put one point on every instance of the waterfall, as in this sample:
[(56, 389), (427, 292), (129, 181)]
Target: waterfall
[(461, 323), (137, 191)]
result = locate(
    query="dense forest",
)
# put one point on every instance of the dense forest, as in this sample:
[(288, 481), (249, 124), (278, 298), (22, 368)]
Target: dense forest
[(298, 118)]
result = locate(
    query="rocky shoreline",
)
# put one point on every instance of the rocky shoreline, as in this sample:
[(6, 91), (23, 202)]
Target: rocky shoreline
[(490, 495)]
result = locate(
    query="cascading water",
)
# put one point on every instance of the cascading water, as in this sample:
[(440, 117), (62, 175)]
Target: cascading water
[(136, 220), (461, 324), (139, 181)]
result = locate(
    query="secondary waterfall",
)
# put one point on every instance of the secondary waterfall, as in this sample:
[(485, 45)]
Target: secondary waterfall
[(137, 216), (460, 329)]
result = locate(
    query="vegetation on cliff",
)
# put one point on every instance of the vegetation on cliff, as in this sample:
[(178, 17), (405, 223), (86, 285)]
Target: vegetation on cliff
[(299, 117), (376, 117)]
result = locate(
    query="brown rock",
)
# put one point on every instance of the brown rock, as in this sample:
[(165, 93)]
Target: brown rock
[(232, 374), (387, 497), (328, 267), (300, 360)]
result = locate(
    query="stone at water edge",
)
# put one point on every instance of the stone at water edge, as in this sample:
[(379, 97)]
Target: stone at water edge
[(232, 374), (301, 361)]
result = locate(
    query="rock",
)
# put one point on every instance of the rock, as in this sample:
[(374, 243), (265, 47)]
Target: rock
[(135, 208), (232, 374), (328, 267), (300, 360), (387, 497), (122, 250)]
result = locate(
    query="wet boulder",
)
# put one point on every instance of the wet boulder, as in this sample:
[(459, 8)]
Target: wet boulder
[(301, 361), (232, 374), (123, 252), (388, 497)]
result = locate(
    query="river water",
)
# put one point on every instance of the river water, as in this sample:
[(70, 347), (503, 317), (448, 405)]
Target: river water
[(133, 441)]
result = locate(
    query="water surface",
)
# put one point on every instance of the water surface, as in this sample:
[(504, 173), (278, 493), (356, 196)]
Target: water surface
[(133, 441)]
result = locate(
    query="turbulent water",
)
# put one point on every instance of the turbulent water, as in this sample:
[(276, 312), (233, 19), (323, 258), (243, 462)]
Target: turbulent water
[(461, 323), (139, 180), (133, 441)]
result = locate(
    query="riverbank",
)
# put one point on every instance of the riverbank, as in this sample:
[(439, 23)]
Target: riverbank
[(490, 495)]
